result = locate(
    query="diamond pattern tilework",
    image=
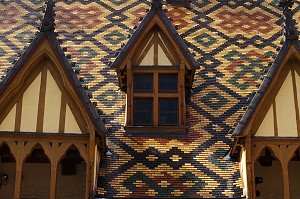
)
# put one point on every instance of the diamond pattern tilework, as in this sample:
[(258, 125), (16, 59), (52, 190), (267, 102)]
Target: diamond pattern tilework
[(239, 20), (17, 28), (243, 67), (233, 42), (135, 14), (76, 17), (11, 14), (214, 100)]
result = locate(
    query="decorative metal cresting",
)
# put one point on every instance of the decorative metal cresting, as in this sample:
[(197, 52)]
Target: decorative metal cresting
[(48, 24), (290, 29)]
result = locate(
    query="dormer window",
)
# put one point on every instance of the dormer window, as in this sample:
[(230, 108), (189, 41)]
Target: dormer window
[(155, 69), (155, 83), (155, 98)]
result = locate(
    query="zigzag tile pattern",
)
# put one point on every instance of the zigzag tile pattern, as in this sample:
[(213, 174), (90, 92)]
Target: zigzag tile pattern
[(233, 41)]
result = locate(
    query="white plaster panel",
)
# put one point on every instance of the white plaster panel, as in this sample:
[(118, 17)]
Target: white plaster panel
[(30, 106), (8, 124), (285, 109), (52, 105), (266, 128)]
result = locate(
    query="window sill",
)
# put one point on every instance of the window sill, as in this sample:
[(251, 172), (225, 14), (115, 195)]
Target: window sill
[(156, 131)]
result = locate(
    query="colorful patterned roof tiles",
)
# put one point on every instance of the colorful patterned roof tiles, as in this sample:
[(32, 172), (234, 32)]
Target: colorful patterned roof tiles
[(233, 41)]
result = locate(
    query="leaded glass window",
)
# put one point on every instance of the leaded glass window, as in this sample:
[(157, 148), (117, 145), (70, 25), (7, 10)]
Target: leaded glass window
[(168, 111), (155, 98), (168, 82), (143, 82), (143, 111)]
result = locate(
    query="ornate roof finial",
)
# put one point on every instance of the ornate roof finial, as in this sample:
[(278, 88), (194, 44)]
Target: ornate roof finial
[(156, 4), (48, 24), (290, 26)]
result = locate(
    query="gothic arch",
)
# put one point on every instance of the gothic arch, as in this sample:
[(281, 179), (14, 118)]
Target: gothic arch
[(294, 173), (7, 171), (71, 174), (268, 178)]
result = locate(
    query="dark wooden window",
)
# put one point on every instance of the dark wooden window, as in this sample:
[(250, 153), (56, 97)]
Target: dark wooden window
[(168, 82), (143, 111), (156, 68), (155, 98), (168, 111), (143, 82)]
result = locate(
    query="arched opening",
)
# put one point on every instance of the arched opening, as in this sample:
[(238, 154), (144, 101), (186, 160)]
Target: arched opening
[(36, 175), (71, 175), (7, 172), (294, 175), (268, 176)]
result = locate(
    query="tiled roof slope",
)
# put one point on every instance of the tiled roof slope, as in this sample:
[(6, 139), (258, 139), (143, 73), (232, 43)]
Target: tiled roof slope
[(233, 41)]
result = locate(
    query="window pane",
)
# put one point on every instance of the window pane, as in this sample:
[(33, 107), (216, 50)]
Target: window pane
[(168, 111), (143, 111), (143, 82), (168, 82)]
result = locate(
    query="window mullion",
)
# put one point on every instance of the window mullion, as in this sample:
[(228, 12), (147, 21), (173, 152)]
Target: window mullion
[(181, 92), (155, 99), (168, 95), (147, 95), (155, 48), (129, 99)]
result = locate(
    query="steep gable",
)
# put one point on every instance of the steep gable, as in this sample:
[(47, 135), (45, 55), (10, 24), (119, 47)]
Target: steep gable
[(155, 50), (271, 122), (282, 116), (274, 110), (42, 106), (41, 92), (155, 42)]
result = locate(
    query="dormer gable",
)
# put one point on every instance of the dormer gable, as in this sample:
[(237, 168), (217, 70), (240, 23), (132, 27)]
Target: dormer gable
[(155, 50), (155, 43)]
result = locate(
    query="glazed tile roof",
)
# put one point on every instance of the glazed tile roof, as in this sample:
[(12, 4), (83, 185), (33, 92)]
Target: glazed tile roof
[(234, 41)]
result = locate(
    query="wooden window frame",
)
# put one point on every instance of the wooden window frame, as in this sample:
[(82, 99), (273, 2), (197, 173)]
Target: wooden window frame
[(166, 91), (133, 112), (169, 98), (179, 94), (142, 91)]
